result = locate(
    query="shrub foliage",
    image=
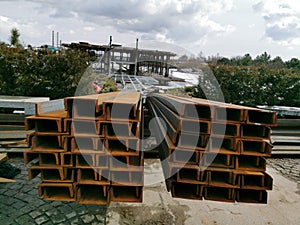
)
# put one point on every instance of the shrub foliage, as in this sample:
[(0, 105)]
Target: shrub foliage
[(41, 72), (255, 85)]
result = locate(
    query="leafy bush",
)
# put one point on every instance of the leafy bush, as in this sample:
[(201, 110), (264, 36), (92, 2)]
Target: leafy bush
[(41, 72), (109, 86), (254, 85)]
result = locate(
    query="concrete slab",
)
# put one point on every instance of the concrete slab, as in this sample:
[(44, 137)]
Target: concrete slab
[(159, 207)]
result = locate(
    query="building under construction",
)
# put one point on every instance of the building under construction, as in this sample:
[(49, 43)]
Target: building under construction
[(114, 58)]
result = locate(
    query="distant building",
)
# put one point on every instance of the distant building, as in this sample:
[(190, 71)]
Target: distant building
[(133, 61)]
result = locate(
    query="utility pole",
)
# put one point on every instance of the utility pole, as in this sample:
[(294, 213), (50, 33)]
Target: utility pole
[(53, 39), (57, 40), (108, 54), (136, 56)]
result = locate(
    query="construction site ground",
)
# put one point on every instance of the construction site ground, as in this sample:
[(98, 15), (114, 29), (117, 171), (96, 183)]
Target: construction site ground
[(20, 204)]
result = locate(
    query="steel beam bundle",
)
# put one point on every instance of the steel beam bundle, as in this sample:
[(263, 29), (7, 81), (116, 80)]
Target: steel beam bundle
[(213, 150), (88, 148)]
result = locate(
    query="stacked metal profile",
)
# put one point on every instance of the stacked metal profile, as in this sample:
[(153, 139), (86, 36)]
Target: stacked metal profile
[(213, 150), (89, 152)]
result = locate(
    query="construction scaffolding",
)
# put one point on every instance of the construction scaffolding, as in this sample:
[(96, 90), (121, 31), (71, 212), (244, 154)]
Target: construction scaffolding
[(114, 58)]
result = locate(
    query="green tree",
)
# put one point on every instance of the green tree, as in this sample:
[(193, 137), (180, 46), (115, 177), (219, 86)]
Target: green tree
[(246, 60), (224, 61), (277, 63), (14, 38), (293, 64), (262, 60)]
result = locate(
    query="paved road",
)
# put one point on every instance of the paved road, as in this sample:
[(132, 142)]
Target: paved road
[(20, 204)]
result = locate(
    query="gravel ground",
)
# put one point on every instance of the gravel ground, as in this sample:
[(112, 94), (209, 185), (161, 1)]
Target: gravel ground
[(288, 167)]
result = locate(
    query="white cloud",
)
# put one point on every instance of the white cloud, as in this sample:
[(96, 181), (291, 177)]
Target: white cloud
[(172, 20), (7, 24), (89, 29), (282, 20)]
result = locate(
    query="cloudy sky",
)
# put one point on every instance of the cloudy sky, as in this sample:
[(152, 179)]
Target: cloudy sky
[(225, 27)]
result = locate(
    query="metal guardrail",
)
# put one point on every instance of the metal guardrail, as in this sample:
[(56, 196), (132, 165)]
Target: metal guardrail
[(286, 137), (12, 132)]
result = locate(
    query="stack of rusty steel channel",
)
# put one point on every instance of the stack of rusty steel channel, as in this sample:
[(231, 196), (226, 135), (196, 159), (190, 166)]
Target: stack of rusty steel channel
[(89, 152), (213, 150)]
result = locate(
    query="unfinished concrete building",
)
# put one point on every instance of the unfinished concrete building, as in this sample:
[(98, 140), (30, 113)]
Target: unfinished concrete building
[(127, 60)]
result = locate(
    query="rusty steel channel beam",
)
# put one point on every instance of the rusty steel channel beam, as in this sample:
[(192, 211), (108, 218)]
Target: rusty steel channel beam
[(173, 118), (52, 108), (57, 191), (237, 113), (191, 174), (47, 142), (220, 112), (57, 174), (126, 193), (255, 131), (180, 123), (126, 162), (262, 117), (166, 144), (185, 173), (88, 160), (192, 126), (176, 124), (251, 163), (255, 147), (231, 129), (44, 124), (125, 106), (119, 129), (93, 176), (81, 147), (127, 177), (89, 106), (52, 173), (84, 144), (218, 160), (187, 191), (185, 108), (252, 196), (171, 130), (68, 159), (45, 158), (122, 146), (186, 156), (223, 144), (80, 127), (223, 178), (252, 180), (219, 194), (92, 194), (193, 141)]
